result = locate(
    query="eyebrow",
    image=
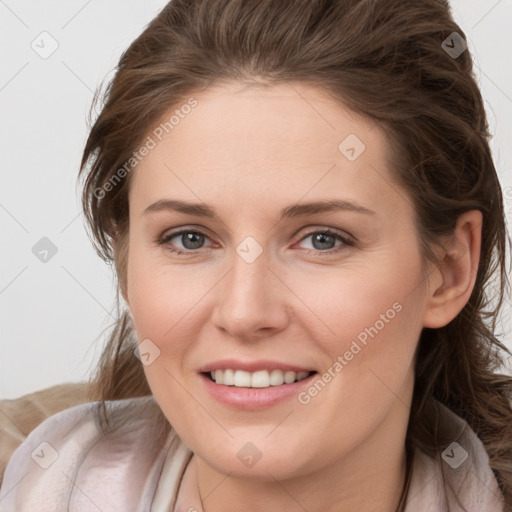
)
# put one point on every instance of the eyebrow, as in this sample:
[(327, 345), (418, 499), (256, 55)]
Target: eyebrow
[(297, 210)]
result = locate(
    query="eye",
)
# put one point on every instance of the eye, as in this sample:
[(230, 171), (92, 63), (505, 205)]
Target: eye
[(323, 241), (191, 240)]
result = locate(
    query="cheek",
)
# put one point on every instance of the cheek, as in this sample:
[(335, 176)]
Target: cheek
[(363, 303), (161, 298), (368, 326), (162, 307)]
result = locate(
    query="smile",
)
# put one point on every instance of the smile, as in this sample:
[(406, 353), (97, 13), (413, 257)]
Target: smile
[(258, 379), (242, 394)]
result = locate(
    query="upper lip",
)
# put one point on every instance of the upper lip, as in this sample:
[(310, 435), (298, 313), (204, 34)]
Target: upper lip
[(252, 366)]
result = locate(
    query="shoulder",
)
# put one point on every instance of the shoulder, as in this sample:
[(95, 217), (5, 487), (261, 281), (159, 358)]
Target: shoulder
[(19, 416), (67, 461), (458, 475)]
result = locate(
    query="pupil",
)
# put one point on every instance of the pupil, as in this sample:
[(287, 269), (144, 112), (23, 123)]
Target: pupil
[(322, 237), (192, 240)]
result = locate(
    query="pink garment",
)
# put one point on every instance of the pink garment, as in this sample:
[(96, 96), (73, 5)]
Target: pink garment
[(66, 464)]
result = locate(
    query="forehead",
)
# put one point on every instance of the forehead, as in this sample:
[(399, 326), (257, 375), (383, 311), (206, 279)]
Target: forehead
[(286, 140)]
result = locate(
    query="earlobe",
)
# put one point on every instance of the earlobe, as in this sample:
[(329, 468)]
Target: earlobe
[(452, 284)]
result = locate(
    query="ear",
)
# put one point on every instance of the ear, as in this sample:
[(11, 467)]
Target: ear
[(451, 285)]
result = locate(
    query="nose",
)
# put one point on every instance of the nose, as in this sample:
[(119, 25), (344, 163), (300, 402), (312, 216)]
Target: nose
[(251, 300)]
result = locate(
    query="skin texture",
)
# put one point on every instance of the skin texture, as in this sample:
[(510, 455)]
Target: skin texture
[(248, 152)]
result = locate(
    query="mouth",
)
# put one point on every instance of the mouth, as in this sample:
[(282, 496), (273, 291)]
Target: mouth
[(251, 391), (259, 379)]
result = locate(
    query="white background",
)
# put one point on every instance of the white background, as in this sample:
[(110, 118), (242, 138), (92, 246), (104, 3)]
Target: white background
[(53, 314)]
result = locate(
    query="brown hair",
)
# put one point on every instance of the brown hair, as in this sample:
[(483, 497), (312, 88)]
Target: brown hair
[(385, 60)]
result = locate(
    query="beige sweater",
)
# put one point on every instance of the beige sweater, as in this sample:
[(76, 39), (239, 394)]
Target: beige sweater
[(67, 464)]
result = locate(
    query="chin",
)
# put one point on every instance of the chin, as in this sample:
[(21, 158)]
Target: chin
[(265, 464)]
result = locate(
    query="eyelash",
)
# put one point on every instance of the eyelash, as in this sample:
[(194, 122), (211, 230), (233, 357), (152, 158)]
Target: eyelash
[(163, 240)]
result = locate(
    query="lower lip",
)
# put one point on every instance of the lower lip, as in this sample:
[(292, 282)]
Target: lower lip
[(254, 398)]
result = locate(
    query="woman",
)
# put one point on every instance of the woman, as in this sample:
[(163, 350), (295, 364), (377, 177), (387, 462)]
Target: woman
[(304, 216)]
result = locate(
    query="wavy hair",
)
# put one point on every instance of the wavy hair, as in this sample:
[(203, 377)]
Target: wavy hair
[(384, 59)]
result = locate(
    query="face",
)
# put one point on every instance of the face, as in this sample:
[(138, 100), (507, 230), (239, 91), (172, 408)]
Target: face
[(266, 283)]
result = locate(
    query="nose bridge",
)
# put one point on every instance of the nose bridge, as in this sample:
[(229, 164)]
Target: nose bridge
[(248, 281), (248, 300)]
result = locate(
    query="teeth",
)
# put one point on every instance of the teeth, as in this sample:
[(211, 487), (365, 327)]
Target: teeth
[(227, 377), (259, 379)]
